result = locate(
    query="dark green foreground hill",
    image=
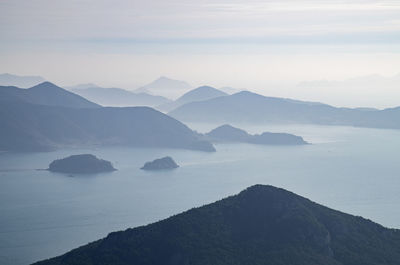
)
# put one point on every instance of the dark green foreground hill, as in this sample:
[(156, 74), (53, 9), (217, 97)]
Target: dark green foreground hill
[(261, 225)]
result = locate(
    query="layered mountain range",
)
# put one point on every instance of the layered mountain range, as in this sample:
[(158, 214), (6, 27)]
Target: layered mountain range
[(46, 116), (250, 107)]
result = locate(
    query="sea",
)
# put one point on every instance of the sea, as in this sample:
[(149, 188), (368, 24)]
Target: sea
[(45, 214)]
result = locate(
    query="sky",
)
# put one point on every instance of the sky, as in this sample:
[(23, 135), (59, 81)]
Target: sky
[(267, 46)]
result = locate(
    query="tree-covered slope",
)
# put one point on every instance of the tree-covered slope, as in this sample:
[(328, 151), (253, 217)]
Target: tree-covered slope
[(261, 225), (81, 164)]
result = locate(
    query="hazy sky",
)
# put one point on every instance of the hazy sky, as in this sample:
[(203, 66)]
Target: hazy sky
[(261, 45)]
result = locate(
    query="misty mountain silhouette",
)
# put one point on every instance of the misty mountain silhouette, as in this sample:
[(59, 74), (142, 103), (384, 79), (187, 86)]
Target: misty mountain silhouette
[(250, 107), (261, 225), (165, 87), (228, 133), (20, 81), (118, 97), (229, 90), (47, 94), (81, 86), (28, 127), (197, 94), (38, 127)]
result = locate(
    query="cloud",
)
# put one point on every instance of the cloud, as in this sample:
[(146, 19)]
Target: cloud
[(183, 19)]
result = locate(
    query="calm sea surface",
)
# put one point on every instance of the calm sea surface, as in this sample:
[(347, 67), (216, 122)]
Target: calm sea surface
[(44, 214)]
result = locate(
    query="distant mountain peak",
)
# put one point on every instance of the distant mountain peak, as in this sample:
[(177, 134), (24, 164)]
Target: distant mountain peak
[(246, 93), (49, 94), (45, 84), (82, 86), (198, 94), (8, 79), (229, 133), (228, 127), (166, 87), (164, 78), (229, 90), (206, 87), (48, 86), (250, 107), (203, 93), (167, 79)]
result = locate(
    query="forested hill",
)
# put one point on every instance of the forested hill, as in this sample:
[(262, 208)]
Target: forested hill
[(261, 225)]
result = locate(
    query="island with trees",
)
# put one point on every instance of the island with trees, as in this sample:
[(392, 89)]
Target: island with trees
[(228, 133), (81, 164), (160, 164)]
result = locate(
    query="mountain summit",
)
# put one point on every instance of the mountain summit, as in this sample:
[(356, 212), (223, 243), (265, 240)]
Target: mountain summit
[(166, 87), (261, 225), (20, 81), (47, 117), (202, 93), (47, 94), (250, 107), (197, 94)]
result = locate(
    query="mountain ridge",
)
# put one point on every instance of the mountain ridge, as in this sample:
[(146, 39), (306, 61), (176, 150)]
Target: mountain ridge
[(22, 81), (36, 127), (118, 97), (166, 87), (198, 94), (47, 94), (250, 107), (260, 225)]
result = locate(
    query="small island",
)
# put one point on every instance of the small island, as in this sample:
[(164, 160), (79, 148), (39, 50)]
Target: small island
[(160, 164), (228, 133), (81, 164)]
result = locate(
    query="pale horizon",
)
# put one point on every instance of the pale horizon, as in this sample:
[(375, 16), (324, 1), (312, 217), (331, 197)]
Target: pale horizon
[(266, 47)]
